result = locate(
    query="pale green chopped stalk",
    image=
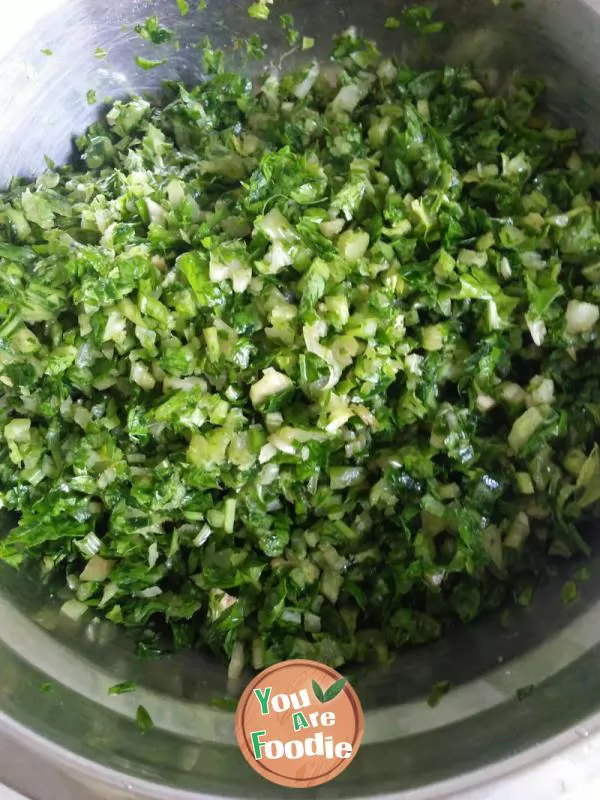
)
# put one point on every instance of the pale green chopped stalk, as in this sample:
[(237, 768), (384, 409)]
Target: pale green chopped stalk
[(518, 531), (524, 483), (73, 609), (524, 427), (271, 383), (229, 515), (588, 480), (97, 569), (236, 662)]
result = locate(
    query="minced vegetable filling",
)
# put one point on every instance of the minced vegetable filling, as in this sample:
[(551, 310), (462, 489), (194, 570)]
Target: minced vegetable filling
[(304, 369)]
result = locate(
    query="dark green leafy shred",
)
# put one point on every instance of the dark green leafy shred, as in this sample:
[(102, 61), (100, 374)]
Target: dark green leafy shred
[(524, 692), (213, 58), (420, 18), (143, 720), (438, 691), (153, 31), (252, 46), (123, 688), (292, 35), (303, 370)]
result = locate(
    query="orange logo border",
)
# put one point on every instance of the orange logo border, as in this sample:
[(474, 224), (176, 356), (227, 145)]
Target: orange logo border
[(347, 701)]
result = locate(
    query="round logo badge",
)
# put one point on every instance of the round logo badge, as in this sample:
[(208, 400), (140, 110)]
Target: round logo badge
[(299, 723)]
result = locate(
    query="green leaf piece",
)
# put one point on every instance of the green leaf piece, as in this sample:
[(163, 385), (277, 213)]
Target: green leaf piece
[(123, 688), (143, 720)]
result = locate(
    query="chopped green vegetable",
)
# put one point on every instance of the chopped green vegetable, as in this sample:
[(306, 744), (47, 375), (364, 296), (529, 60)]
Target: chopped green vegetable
[(91, 97), (101, 52), (143, 720), (46, 51), (287, 23), (392, 22), (148, 63), (569, 592), (214, 59), (123, 688), (305, 368), (184, 7), (420, 18), (583, 574), (153, 32), (254, 46), (259, 10), (438, 691), (524, 692)]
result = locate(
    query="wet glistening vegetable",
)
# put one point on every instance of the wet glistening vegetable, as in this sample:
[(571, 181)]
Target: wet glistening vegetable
[(306, 367)]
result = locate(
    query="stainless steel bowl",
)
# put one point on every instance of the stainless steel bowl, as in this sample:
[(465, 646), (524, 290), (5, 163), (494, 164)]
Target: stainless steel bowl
[(481, 741)]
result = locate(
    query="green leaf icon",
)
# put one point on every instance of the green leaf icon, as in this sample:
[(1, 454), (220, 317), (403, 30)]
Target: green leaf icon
[(329, 694), (318, 692), (334, 689)]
